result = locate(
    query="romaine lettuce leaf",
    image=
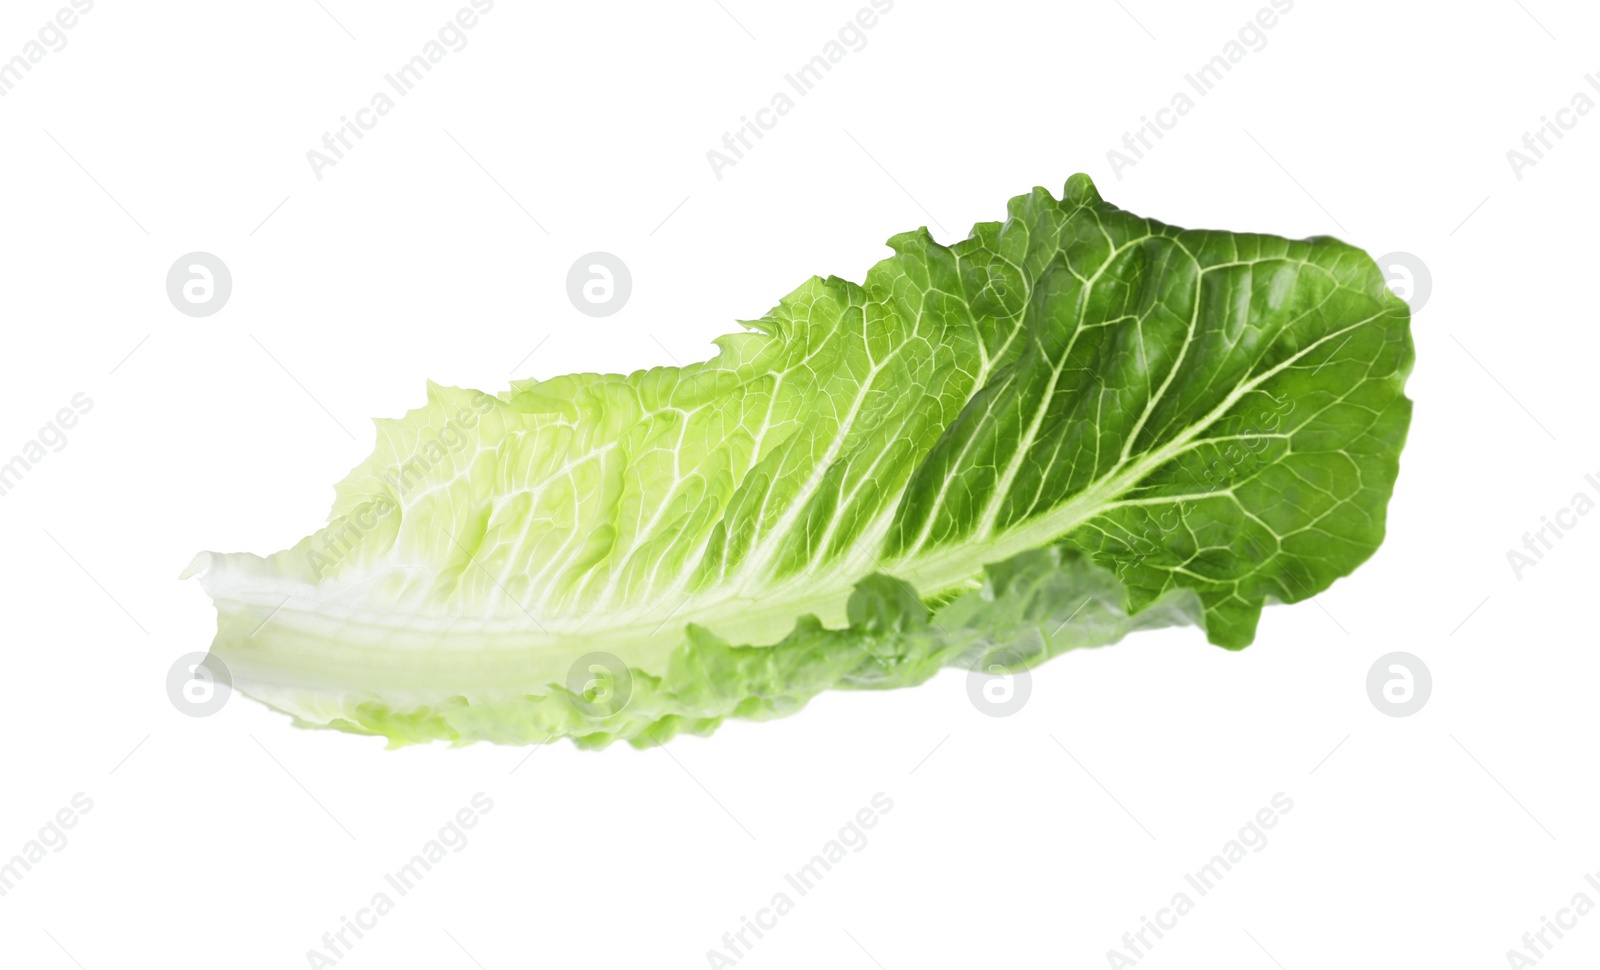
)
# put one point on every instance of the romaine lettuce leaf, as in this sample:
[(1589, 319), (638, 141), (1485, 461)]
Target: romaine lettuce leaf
[(1072, 424)]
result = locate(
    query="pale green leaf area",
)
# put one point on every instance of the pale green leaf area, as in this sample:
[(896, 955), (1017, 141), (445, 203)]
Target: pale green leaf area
[(1071, 425)]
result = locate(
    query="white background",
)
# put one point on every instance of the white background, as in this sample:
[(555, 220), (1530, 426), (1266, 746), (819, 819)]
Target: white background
[(235, 840)]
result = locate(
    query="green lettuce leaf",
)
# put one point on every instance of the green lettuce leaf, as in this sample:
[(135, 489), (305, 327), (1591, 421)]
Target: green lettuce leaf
[(1072, 424)]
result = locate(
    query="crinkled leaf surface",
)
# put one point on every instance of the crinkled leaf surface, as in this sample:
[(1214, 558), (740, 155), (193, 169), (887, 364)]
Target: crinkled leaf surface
[(1072, 424)]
